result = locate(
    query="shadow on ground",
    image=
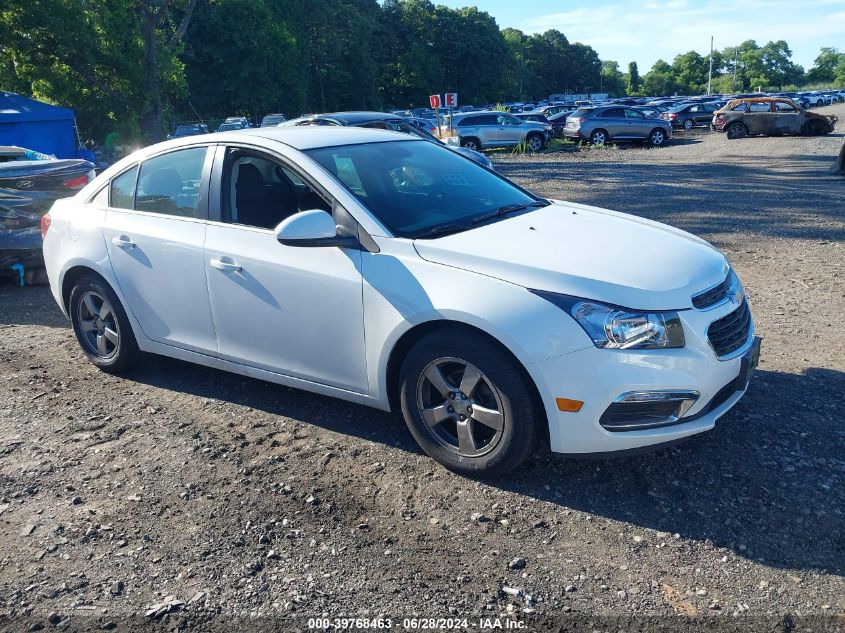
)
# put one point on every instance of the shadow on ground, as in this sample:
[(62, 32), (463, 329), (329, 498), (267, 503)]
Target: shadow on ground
[(764, 483)]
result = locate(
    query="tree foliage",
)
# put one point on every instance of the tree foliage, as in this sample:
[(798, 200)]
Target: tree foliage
[(128, 66)]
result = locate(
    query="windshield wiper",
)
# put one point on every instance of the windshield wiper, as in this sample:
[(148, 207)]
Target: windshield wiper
[(445, 229), (510, 208)]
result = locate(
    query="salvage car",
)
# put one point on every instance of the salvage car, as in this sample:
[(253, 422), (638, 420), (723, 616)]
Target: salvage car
[(29, 184), (770, 116), (389, 271)]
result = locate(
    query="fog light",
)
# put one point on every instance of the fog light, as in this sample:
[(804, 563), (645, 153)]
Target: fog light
[(635, 410)]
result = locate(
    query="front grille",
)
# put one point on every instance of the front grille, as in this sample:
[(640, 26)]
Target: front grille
[(730, 332), (711, 297)]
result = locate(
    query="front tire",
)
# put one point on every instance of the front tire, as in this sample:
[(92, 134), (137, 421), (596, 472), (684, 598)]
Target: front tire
[(535, 142), (736, 130), (657, 137), (468, 404), (471, 143), (101, 325)]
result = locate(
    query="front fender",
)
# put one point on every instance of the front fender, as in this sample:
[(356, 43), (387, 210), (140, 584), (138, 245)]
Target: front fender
[(402, 291)]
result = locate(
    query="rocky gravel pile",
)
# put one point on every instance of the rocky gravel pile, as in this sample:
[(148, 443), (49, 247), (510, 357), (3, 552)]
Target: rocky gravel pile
[(181, 495)]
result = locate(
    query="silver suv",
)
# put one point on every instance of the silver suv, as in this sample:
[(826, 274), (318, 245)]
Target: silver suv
[(603, 124), (481, 130)]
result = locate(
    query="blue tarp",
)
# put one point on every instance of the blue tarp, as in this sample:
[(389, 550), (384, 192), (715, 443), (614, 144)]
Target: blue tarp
[(35, 125)]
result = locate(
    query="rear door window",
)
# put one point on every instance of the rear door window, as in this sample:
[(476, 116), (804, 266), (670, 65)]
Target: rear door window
[(170, 183), (613, 113), (760, 106)]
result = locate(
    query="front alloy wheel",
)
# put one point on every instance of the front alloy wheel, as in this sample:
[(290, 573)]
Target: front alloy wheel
[(657, 137), (535, 143), (460, 406), (468, 403)]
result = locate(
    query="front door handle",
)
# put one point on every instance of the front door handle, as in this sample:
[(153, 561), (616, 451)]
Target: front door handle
[(123, 242), (226, 267)]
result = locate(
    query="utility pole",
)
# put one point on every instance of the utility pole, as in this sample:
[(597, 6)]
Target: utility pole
[(736, 56), (710, 74)]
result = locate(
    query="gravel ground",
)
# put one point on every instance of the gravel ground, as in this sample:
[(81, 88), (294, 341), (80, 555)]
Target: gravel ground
[(181, 484)]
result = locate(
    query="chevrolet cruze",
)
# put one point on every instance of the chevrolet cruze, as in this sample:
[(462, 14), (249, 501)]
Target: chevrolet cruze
[(388, 271)]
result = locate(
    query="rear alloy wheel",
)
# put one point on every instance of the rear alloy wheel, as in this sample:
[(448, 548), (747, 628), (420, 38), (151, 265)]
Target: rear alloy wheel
[(535, 142), (736, 130), (657, 137), (467, 404), (688, 125), (471, 143), (101, 325), (598, 137)]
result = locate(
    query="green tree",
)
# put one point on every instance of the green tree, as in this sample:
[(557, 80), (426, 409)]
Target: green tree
[(633, 78), (824, 69), (690, 72), (660, 80), (242, 59), (613, 82)]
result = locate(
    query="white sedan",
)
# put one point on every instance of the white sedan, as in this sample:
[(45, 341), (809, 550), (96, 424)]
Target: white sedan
[(388, 271)]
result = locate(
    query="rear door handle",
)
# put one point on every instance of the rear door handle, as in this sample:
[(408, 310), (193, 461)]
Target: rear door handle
[(123, 242), (226, 267)]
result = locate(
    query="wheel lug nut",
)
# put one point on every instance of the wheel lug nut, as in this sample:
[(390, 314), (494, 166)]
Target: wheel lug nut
[(451, 395), (469, 409), (462, 418), (450, 409)]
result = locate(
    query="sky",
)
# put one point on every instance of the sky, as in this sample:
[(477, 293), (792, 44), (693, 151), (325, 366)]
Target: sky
[(660, 29)]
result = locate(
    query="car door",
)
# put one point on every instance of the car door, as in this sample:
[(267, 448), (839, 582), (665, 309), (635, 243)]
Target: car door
[(613, 120), (759, 118), (636, 124), (154, 231), (788, 119), (509, 130), (291, 310)]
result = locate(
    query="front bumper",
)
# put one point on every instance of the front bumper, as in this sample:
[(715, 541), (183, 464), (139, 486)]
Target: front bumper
[(598, 377)]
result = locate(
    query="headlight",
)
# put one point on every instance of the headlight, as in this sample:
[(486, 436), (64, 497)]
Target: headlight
[(612, 327)]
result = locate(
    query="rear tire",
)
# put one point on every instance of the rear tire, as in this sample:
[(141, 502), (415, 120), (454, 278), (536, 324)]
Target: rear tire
[(471, 143), (736, 130), (101, 325), (599, 137), (454, 374)]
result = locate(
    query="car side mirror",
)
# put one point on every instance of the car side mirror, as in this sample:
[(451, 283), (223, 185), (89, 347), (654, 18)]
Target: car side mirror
[(312, 228)]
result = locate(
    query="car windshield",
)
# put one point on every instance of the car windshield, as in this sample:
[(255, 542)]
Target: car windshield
[(421, 189)]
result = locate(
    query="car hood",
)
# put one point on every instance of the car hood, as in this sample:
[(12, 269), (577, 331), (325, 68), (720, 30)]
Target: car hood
[(587, 252)]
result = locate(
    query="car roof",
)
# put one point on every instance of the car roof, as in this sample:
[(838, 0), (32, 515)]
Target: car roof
[(302, 138), (358, 117)]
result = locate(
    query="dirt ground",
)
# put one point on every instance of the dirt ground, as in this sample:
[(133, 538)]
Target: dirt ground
[(121, 497)]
